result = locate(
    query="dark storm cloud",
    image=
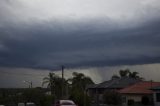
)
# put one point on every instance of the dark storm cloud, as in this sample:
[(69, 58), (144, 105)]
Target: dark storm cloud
[(78, 44)]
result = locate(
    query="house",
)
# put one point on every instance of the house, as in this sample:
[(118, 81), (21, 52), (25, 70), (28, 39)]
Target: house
[(156, 95), (96, 91), (138, 92)]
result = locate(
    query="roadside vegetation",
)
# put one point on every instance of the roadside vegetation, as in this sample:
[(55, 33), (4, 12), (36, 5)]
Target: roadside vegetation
[(73, 88)]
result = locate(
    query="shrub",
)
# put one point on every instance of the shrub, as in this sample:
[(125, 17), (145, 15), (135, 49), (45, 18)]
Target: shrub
[(145, 100), (80, 98), (112, 97), (131, 102), (47, 100)]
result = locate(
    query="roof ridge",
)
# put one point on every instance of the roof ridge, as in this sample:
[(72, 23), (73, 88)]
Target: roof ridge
[(114, 81)]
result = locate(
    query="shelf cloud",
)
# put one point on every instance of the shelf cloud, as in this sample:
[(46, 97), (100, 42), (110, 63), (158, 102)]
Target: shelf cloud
[(87, 33)]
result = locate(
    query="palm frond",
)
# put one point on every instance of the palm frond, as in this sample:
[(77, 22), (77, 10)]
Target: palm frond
[(45, 82), (46, 78)]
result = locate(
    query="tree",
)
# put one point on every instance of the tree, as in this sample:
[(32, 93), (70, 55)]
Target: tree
[(50, 81), (79, 83), (112, 98), (124, 73), (55, 84), (80, 98), (35, 95), (127, 73), (135, 75)]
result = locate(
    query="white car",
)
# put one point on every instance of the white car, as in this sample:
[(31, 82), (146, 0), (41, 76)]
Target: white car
[(65, 103), (30, 104), (21, 104)]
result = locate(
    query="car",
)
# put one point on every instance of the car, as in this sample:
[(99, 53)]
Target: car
[(30, 104), (65, 103), (21, 104)]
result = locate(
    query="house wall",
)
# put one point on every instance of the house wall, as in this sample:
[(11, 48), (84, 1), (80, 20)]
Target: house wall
[(136, 98), (156, 103)]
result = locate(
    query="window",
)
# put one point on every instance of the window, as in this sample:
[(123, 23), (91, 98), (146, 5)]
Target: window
[(124, 99), (158, 97)]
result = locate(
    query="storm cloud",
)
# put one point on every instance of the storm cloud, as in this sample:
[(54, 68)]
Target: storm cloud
[(47, 37)]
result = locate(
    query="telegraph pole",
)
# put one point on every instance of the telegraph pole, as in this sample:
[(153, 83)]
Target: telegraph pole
[(62, 80), (29, 82)]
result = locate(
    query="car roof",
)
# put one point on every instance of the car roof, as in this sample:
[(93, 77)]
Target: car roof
[(69, 101), (29, 103)]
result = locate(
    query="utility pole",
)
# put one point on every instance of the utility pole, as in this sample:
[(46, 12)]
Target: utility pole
[(62, 80), (85, 93), (151, 83), (29, 82)]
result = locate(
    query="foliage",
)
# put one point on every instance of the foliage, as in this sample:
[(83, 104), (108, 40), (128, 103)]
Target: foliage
[(127, 73), (80, 98), (135, 75), (50, 81), (55, 84), (124, 73), (145, 100), (47, 100), (37, 95), (76, 87), (112, 97), (33, 95), (79, 82), (131, 102)]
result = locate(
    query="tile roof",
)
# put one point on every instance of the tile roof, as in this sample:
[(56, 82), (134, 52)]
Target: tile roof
[(157, 88), (116, 83), (143, 87)]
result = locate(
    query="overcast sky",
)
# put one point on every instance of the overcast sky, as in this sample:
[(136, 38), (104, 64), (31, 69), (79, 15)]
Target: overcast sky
[(89, 36)]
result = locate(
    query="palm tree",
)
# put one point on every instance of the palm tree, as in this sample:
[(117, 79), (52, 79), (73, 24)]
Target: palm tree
[(55, 84), (135, 75), (80, 81), (50, 81), (124, 73), (127, 73)]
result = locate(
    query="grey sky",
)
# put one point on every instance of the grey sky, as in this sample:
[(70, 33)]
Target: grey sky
[(15, 77), (45, 34)]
